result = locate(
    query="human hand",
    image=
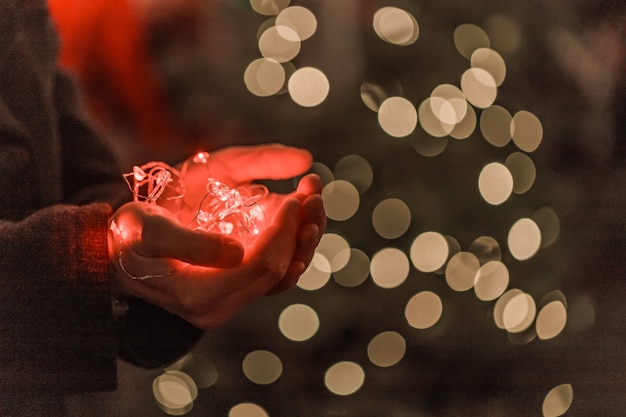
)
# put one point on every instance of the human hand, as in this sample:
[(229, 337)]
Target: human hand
[(183, 263), (196, 282)]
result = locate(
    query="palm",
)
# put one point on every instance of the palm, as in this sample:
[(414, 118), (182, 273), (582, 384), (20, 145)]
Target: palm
[(239, 167)]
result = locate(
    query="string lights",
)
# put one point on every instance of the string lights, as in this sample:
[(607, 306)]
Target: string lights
[(236, 212)]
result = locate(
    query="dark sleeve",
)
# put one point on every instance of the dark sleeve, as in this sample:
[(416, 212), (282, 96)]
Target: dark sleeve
[(150, 337), (89, 167), (55, 308), (58, 183)]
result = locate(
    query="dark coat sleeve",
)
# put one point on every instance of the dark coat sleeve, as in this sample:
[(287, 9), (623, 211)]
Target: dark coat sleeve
[(58, 187), (57, 334)]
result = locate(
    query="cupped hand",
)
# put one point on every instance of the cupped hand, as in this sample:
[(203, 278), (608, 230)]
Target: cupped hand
[(242, 165), (147, 240), (205, 296), (204, 277), (312, 226)]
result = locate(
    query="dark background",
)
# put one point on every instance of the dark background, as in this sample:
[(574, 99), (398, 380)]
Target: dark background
[(465, 366)]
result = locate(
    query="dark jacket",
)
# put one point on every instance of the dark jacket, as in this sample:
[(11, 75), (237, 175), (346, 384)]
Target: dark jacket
[(58, 186)]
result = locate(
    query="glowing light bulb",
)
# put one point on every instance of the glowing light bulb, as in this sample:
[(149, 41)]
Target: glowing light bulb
[(201, 158), (138, 173)]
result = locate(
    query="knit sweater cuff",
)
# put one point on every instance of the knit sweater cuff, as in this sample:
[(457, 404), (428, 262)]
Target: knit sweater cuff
[(88, 242)]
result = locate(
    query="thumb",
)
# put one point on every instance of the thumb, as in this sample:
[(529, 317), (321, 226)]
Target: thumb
[(164, 238)]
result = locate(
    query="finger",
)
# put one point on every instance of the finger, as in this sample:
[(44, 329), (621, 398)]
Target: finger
[(271, 256), (272, 161), (308, 239), (314, 225), (313, 211), (307, 242), (163, 238), (309, 184)]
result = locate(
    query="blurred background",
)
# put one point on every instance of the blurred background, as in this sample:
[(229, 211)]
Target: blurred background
[(474, 161)]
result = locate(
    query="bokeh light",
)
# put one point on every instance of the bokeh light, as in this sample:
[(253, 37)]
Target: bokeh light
[(308, 86), (454, 247), (174, 392), (448, 104), (264, 77), (324, 172), (356, 270), (551, 320), (298, 322), (495, 125), (490, 61), (434, 124), (374, 94), (524, 239), (386, 349), (389, 267), (397, 117), (495, 183), (341, 200), (269, 7), (391, 218), (356, 170), (548, 222), (300, 19), (558, 401), (316, 275), (262, 367), (344, 378), (466, 126), (479, 87), (486, 249), (429, 251), (265, 25), (281, 44), (247, 410), (523, 171), (461, 271), (498, 309), (396, 26), (526, 130), (519, 313), (491, 281), (423, 310), (468, 38), (335, 249)]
